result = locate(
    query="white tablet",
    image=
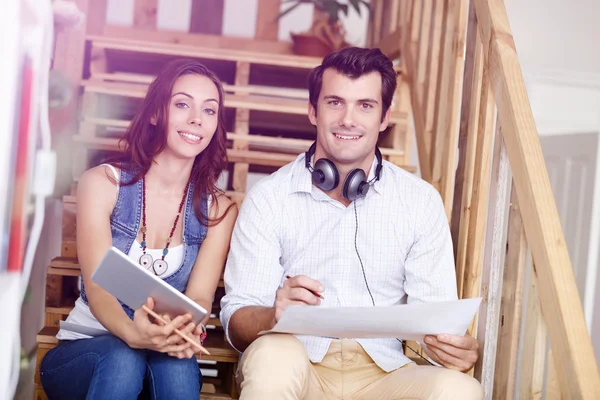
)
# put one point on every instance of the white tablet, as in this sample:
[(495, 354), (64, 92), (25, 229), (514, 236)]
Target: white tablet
[(132, 284)]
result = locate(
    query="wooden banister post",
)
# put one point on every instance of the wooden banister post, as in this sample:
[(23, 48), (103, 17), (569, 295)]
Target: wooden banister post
[(267, 26), (511, 314), (492, 269), (465, 176), (469, 114)]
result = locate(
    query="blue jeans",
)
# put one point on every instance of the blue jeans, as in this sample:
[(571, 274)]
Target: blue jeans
[(105, 367)]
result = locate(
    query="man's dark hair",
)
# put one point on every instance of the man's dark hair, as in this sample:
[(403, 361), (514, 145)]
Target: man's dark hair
[(354, 62)]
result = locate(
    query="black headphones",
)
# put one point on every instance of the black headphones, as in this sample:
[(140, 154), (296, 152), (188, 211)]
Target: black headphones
[(326, 176)]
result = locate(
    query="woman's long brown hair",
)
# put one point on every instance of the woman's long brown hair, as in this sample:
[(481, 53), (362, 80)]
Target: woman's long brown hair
[(143, 140)]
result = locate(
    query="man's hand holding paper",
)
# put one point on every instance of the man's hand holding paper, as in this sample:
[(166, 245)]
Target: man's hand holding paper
[(453, 351), (450, 348), (407, 321)]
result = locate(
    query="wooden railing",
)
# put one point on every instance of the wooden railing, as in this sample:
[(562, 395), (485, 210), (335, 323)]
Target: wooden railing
[(478, 145)]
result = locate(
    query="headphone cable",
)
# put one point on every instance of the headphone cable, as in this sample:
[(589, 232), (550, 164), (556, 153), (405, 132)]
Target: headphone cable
[(367, 283), (359, 259)]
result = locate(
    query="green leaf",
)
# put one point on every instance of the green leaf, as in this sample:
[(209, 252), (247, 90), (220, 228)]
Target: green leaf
[(366, 4), (356, 5), (332, 8), (320, 4), (344, 8)]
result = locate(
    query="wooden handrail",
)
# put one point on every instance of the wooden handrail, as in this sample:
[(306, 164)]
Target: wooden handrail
[(558, 293)]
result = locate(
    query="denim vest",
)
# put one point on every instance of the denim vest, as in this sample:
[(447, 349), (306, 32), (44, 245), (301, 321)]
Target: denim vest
[(125, 224)]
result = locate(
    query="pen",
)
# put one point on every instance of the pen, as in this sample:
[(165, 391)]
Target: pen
[(312, 291), (177, 331)]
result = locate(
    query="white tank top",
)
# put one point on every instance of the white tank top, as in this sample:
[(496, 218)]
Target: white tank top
[(81, 314)]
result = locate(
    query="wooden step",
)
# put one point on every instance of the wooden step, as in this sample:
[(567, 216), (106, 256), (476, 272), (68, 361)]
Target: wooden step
[(62, 271), (55, 314), (70, 267), (246, 101), (247, 89), (216, 345), (64, 267), (214, 396), (183, 50), (64, 263)]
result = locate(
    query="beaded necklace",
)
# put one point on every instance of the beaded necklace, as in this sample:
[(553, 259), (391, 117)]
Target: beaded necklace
[(159, 266)]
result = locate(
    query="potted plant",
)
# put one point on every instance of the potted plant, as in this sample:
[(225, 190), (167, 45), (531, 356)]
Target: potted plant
[(326, 33)]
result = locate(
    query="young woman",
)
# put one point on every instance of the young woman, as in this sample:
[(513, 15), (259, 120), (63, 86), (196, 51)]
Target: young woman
[(159, 204)]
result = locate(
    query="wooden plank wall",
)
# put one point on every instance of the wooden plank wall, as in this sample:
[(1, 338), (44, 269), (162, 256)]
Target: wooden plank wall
[(267, 26), (207, 16), (471, 85), (432, 36)]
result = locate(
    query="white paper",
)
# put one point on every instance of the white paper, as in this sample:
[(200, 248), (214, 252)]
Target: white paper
[(84, 330), (406, 321)]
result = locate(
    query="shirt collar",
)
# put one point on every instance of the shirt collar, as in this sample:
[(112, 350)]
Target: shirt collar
[(302, 180)]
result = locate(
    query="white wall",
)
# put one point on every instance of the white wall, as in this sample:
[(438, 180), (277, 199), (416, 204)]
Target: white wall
[(563, 106), (172, 15), (557, 34), (239, 18)]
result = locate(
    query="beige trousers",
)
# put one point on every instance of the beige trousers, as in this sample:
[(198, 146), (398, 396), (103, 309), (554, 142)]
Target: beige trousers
[(277, 367)]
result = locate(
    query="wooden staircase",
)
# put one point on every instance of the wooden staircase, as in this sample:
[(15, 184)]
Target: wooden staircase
[(460, 86)]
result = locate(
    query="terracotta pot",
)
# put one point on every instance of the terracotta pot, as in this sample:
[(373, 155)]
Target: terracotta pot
[(309, 45)]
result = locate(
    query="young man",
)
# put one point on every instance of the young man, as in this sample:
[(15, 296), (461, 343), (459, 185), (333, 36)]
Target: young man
[(373, 238)]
